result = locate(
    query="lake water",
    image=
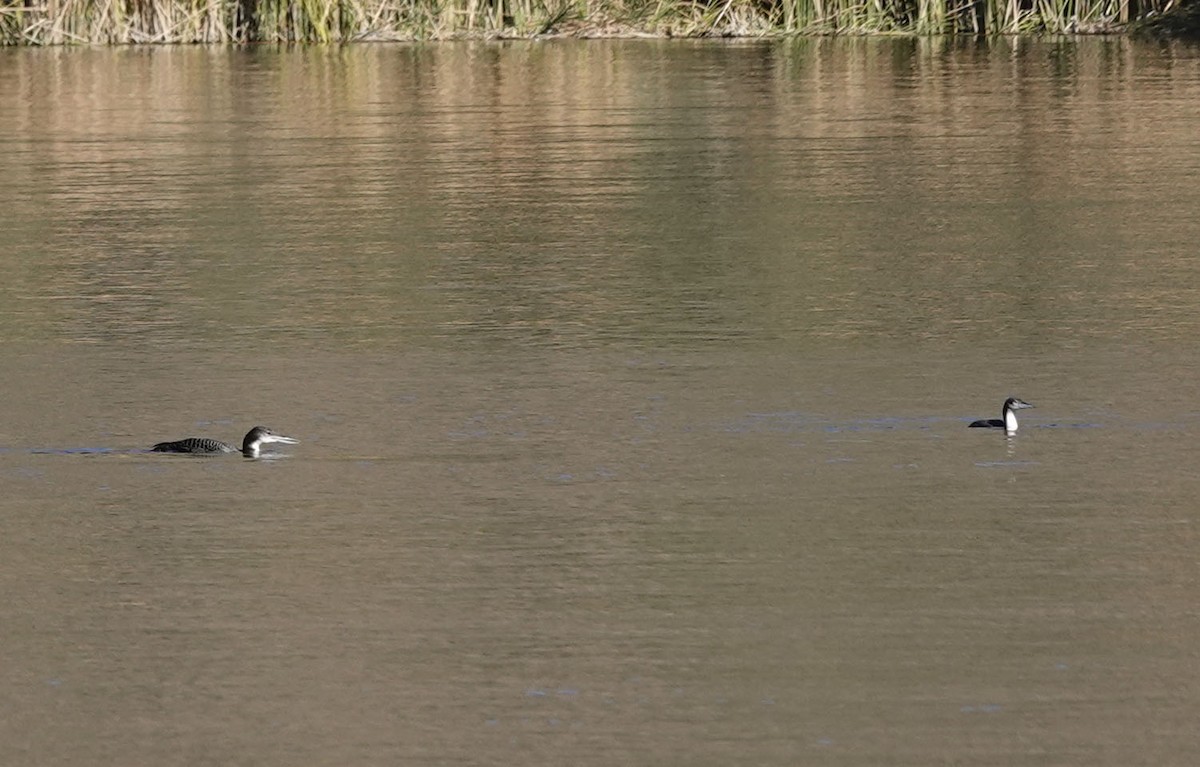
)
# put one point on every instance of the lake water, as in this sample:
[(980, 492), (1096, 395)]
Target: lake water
[(632, 382)]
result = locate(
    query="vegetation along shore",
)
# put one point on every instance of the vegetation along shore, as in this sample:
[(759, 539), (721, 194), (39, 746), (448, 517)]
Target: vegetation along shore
[(56, 22)]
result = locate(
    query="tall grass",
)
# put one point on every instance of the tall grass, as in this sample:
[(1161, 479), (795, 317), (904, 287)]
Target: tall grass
[(52, 22)]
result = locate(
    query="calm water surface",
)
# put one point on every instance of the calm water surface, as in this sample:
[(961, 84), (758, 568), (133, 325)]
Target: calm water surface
[(632, 381)]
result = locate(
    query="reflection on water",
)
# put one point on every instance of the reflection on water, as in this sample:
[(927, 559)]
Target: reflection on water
[(574, 194), (632, 381)]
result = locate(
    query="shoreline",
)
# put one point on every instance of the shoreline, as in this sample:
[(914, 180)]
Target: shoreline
[(62, 22)]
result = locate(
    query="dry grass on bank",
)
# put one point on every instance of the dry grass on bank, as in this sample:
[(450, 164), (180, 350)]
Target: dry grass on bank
[(52, 22)]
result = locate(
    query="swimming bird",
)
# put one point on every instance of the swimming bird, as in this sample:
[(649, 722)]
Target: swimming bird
[(255, 438), (1009, 421)]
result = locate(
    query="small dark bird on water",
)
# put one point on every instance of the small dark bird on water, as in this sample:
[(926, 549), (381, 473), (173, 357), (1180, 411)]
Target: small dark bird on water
[(255, 438), (1009, 420)]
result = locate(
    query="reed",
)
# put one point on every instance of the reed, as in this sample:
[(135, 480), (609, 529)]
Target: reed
[(53, 22), (1179, 21)]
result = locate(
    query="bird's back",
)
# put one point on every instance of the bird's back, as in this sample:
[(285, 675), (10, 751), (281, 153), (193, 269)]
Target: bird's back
[(988, 423), (194, 445)]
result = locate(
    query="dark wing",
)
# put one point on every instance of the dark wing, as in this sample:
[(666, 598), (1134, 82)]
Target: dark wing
[(194, 445)]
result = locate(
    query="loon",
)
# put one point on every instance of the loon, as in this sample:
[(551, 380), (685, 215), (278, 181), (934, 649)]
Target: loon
[(203, 446), (1009, 422)]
